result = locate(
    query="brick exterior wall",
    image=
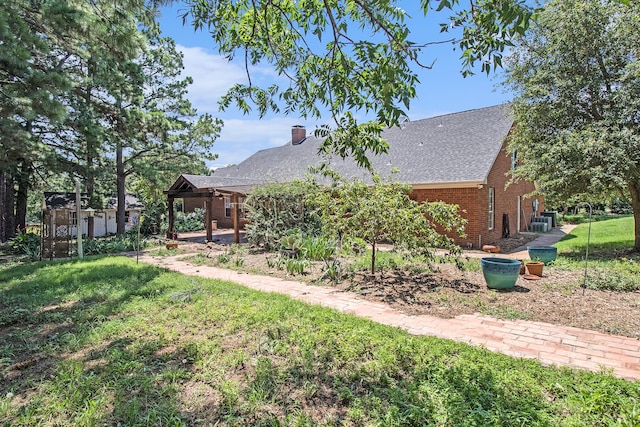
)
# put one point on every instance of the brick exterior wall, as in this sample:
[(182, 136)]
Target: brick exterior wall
[(474, 204), (507, 198), (190, 205), (468, 201)]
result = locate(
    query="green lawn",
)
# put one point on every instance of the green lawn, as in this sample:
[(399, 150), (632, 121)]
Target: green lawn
[(607, 235), (110, 342), (614, 265)]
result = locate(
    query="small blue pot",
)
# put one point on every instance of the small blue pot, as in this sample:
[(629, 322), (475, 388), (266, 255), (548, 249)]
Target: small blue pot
[(544, 254), (500, 273)]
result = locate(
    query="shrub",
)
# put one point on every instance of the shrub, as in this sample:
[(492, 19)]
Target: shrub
[(275, 209), (575, 219), (621, 206), (26, 244), (191, 221), (619, 276), (291, 243), (384, 212), (354, 246)]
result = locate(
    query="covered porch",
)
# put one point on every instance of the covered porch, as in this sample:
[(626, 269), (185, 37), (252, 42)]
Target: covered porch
[(209, 189)]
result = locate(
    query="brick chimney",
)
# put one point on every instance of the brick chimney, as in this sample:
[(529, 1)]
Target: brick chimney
[(298, 134)]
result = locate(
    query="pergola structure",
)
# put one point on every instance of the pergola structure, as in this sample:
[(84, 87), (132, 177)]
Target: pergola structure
[(209, 187)]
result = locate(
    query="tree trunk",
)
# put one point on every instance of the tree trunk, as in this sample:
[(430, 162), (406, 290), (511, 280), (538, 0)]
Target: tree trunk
[(90, 179), (120, 190), (170, 230), (90, 227), (21, 198), (3, 207), (90, 184), (8, 204), (373, 257), (634, 189)]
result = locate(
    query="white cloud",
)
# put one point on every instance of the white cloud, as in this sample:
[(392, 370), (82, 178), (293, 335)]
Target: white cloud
[(213, 75), (242, 135)]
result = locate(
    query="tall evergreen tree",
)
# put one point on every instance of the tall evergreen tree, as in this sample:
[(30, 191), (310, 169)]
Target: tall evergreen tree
[(89, 90), (155, 126), (30, 82)]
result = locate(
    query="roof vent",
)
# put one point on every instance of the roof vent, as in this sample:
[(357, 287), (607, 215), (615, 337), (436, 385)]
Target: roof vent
[(298, 134)]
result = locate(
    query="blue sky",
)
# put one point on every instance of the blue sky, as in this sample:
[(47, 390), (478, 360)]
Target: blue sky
[(442, 89)]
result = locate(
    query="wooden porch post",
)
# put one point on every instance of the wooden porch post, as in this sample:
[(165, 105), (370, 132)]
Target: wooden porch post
[(209, 217), (236, 222), (171, 218)]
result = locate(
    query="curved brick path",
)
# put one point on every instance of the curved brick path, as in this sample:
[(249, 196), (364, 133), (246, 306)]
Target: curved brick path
[(550, 344)]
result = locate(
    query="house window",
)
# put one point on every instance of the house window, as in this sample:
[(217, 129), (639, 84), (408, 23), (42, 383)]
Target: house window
[(228, 207), (492, 204)]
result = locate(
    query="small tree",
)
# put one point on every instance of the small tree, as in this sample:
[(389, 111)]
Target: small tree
[(384, 212), (276, 208)]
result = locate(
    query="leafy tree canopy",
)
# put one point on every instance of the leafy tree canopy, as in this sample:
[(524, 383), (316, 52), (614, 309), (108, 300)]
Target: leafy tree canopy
[(576, 76), (349, 56)]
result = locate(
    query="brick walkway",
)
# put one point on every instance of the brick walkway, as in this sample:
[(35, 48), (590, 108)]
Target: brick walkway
[(550, 344)]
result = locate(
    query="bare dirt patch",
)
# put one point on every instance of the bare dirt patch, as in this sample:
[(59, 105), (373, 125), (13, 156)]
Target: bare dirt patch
[(556, 298), (447, 292)]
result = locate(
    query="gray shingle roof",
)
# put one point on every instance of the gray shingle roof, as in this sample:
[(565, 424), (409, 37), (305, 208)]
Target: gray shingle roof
[(453, 148), (58, 200), (216, 181), (130, 202)]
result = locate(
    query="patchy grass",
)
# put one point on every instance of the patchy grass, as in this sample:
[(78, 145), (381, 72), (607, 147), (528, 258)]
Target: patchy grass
[(110, 342)]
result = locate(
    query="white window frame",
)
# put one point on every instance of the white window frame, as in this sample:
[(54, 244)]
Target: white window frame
[(228, 207), (492, 207)]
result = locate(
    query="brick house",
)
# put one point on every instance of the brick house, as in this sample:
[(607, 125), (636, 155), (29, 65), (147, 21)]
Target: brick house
[(458, 158)]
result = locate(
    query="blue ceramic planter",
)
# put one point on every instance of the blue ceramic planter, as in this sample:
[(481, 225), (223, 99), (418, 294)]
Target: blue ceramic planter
[(500, 273), (544, 254)]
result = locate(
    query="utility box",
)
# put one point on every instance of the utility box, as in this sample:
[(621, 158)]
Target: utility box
[(553, 216), (539, 227)]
